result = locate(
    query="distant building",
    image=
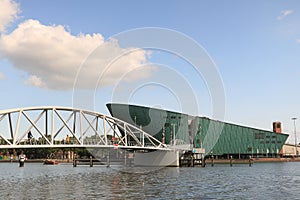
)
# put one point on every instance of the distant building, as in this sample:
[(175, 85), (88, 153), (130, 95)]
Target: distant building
[(290, 150)]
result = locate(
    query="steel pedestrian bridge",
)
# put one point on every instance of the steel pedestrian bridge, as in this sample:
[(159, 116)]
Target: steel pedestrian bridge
[(51, 126)]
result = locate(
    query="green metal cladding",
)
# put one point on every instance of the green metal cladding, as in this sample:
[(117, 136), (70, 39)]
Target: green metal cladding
[(218, 138), (235, 139)]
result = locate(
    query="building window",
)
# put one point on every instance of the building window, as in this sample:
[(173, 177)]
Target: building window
[(259, 136)]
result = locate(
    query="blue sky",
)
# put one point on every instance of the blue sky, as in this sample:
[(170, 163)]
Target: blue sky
[(254, 44)]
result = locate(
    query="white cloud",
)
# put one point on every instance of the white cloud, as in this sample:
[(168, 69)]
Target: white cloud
[(284, 13), (51, 56), (1, 76), (8, 13), (35, 81), (298, 41)]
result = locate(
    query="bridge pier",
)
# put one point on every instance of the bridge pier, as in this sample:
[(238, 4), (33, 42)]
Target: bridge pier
[(157, 158), (91, 161), (22, 159), (75, 160)]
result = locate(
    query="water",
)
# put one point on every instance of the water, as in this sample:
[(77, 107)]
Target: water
[(261, 181)]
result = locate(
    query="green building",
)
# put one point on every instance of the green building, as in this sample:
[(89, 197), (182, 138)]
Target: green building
[(216, 137)]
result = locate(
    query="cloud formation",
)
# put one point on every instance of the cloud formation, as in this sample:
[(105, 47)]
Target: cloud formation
[(51, 56), (8, 13), (35, 81), (284, 13)]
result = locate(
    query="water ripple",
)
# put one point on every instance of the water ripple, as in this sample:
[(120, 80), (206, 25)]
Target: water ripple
[(262, 181)]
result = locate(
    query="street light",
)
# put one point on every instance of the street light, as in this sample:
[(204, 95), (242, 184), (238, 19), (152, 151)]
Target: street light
[(294, 119)]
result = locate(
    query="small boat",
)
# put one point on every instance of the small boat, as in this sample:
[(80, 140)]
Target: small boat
[(50, 162)]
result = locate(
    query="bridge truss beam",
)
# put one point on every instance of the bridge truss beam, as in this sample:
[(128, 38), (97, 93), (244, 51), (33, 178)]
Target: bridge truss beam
[(50, 126)]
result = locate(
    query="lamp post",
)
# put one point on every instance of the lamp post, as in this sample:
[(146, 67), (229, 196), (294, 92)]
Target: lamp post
[(294, 119)]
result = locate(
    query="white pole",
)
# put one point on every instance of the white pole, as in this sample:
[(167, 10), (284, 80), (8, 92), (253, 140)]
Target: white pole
[(295, 132)]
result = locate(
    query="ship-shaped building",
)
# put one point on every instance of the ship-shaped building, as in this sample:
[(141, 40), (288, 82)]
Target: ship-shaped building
[(218, 138)]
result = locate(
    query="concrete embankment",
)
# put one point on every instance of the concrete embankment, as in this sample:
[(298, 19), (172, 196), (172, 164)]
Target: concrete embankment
[(254, 160)]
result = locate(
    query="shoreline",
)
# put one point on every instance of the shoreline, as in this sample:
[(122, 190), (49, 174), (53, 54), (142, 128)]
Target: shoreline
[(207, 161), (253, 160), (37, 161)]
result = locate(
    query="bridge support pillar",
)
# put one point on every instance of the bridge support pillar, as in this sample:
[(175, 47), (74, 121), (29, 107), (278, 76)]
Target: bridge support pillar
[(157, 158), (74, 160), (91, 161)]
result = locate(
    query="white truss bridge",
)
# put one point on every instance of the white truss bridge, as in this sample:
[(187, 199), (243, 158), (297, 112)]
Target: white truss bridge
[(51, 126)]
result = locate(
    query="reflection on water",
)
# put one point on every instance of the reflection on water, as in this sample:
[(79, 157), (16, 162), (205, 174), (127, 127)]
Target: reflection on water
[(262, 181)]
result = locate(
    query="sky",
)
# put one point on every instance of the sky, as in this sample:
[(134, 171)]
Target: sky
[(55, 52)]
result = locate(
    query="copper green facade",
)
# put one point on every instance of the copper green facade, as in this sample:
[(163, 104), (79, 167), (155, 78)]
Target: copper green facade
[(236, 139), (218, 138)]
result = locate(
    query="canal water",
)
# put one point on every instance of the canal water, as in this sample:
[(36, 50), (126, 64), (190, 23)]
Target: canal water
[(63, 181)]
